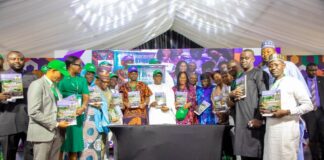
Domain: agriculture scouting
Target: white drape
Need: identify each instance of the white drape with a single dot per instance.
(38, 27)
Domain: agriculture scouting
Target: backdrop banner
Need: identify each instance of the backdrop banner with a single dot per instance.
(198, 60)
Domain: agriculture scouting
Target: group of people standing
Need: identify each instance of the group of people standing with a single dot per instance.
(254, 136)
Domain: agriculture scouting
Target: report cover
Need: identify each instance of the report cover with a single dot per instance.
(202, 107)
(66, 111)
(241, 83)
(181, 98)
(270, 102)
(160, 99)
(134, 99)
(12, 84)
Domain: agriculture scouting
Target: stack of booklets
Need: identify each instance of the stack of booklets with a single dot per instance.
(66, 109)
(270, 102)
(160, 99)
(181, 98)
(134, 99)
(13, 85)
(241, 83)
(202, 107)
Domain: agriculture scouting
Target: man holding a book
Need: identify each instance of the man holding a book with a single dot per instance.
(282, 129)
(135, 98)
(44, 129)
(113, 85)
(162, 109)
(116, 97)
(13, 113)
(248, 130)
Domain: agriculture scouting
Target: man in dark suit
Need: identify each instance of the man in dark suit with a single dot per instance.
(315, 119)
(13, 114)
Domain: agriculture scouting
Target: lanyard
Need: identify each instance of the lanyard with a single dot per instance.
(75, 84)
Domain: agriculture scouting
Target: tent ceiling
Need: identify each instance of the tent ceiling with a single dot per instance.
(38, 27)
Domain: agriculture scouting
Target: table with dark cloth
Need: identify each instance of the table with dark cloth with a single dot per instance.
(160, 142)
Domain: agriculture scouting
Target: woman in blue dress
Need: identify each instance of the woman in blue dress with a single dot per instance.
(204, 95)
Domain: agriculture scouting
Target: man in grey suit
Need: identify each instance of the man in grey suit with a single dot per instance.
(43, 129)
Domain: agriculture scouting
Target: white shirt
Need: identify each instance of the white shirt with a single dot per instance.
(52, 85)
(157, 116)
(282, 134)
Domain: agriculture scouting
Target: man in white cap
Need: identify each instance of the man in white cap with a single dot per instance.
(267, 49)
(282, 135)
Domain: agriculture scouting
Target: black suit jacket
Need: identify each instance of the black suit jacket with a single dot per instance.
(320, 87)
(13, 115)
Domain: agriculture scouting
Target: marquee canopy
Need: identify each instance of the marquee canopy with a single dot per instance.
(38, 27)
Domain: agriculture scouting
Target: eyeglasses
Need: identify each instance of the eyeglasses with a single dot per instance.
(80, 65)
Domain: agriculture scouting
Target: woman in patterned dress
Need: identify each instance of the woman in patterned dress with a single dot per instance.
(183, 86)
(96, 124)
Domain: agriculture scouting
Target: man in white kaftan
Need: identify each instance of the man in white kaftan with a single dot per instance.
(282, 135)
(163, 113)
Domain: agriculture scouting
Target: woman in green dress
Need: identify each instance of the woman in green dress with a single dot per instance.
(74, 85)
